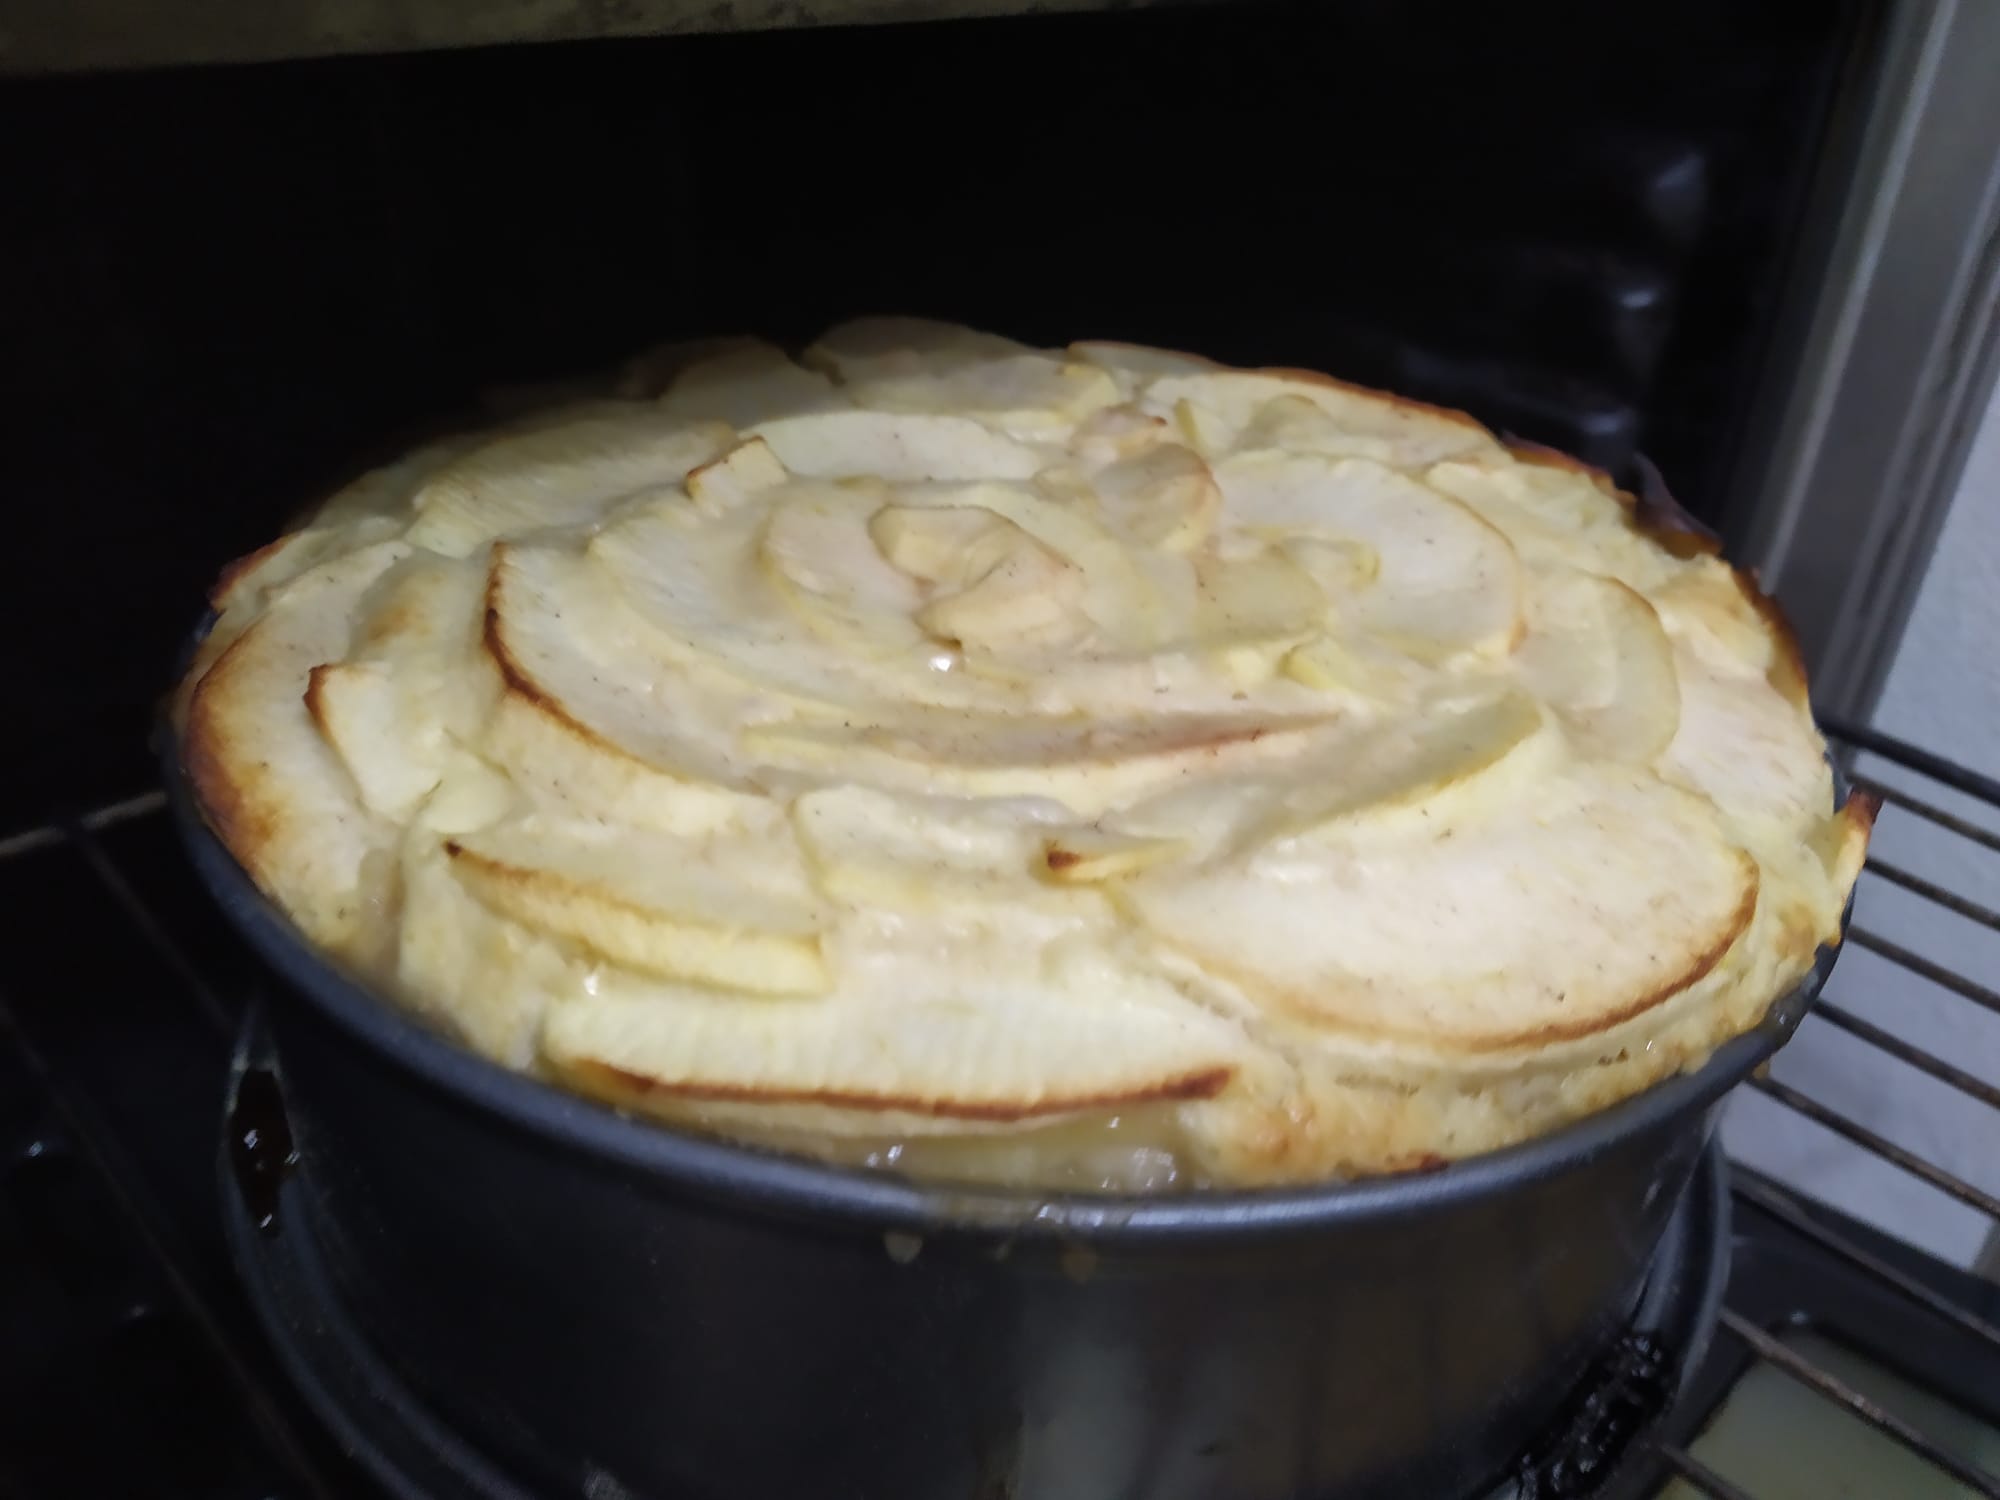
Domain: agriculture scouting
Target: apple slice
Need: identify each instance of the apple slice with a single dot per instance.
(471, 792)
(266, 778)
(727, 482)
(1545, 499)
(1752, 750)
(1596, 653)
(1249, 600)
(358, 708)
(1202, 429)
(748, 383)
(1021, 597)
(1560, 517)
(560, 475)
(1119, 598)
(934, 544)
(416, 684)
(700, 587)
(1705, 603)
(1137, 366)
(1005, 593)
(929, 854)
(824, 561)
(1341, 567)
(944, 1045)
(587, 687)
(704, 595)
(387, 491)
(1090, 764)
(475, 974)
(1322, 414)
(1296, 423)
(1537, 921)
(705, 911)
(1353, 666)
(1424, 765)
(1117, 432)
(1448, 583)
(1163, 497)
(646, 375)
(239, 593)
(573, 771)
(895, 446)
(862, 348)
(372, 507)
(1027, 395)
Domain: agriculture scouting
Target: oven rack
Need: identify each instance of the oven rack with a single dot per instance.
(120, 995)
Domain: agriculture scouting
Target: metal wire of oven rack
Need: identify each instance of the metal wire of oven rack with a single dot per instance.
(282, 1431)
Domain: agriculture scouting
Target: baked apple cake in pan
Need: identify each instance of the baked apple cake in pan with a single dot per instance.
(1090, 769)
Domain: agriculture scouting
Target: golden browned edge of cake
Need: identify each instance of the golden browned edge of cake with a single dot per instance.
(1361, 1125)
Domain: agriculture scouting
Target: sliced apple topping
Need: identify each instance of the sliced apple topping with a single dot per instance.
(1317, 414)
(704, 911)
(557, 475)
(1596, 653)
(416, 686)
(1448, 582)
(1263, 597)
(1139, 364)
(934, 544)
(862, 348)
(595, 722)
(270, 784)
(1021, 597)
(1091, 765)
(747, 383)
(1028, 395)
(745, 470)
(1206, 431)
(925, 853)
(820, 554)
(895, 446)
(1538, 921)
(1163, 497)
(1712, 608)
(647, 374)
(1299, 424)
(1407, 766)
(1115, 432)
(356, 706)
(710, 600)
(612, 769)
(386, 491)
(482, 977)
(944, 1046)
(1351, 665)
(1341, 567)
(1554, 516)
(1118, 598)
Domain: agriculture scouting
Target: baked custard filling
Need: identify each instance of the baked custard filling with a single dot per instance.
(1091, 769)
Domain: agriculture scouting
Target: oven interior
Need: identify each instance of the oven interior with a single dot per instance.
(232, 286)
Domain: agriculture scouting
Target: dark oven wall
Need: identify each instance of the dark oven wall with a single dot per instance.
(224, 288)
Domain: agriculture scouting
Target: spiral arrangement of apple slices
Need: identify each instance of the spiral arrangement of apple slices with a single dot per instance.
(1095, 768)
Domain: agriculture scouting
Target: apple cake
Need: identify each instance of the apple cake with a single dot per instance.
(1090, 769)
